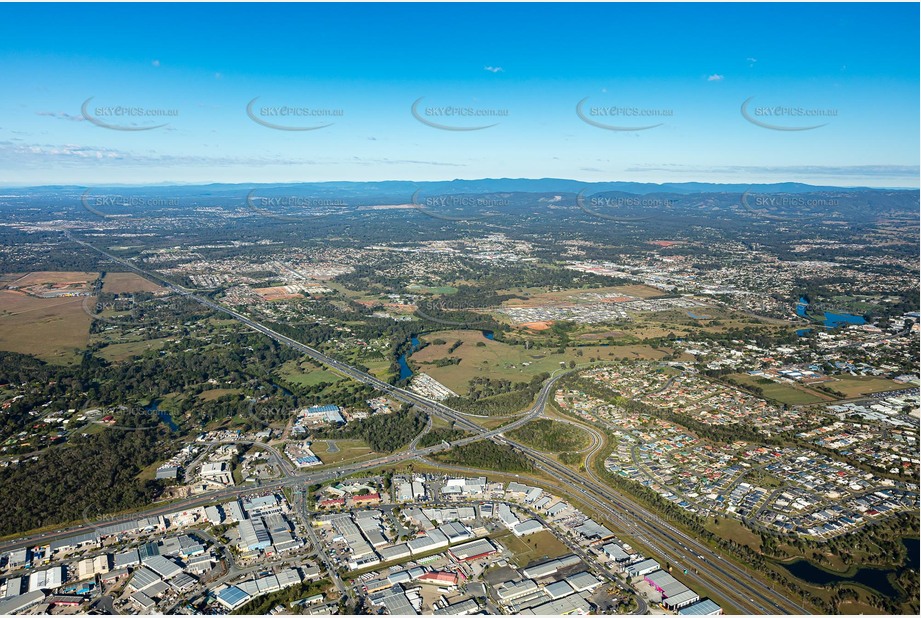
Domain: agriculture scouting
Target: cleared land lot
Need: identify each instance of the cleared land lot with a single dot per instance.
(305, 374)
(784, 393)
(855, 386)
(53, 329)
(117, 352)
(120, 283)
(498, 360)
(534, 547)
(349, 451)
(536, 297)
(53, 278)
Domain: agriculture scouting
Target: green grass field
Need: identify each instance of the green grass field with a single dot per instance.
(855, 386)
(305, 374)
(349, 451)
(498, 360)
(117, 352)
(783, 393)
(533, 548)
(553, 436)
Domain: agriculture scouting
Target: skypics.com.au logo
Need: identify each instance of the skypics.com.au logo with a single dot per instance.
(627, 117)
(458, 208)
(448, 312)
(455, 117)
(787, 207)
(623, 209)
(785, 117)
(292, 117)
(292, 207)
(120, 206)
(126, 117)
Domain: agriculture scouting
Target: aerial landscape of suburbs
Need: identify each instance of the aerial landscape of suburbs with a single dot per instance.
(538, 317)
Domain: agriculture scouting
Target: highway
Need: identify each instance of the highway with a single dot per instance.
(704, 565)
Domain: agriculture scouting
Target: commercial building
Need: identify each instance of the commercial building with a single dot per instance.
(558, 590)
(545, 569)
(507, 592)
(462, 608)
(572, 604)
(642, 568)
(90, 567)
(705, 607)
(232, 597)
(48, 579)
(21, 603)
(395, 552)
(164, 567)
(615, 552)
(583, 581)
(473, 550)
(527, 527)
(254, 535)
(675, 595)
(143, 578)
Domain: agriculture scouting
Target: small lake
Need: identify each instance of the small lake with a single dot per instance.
(877, 579)
(837, 319)
(489, 334)
(405, 371)
(164, 416)
(831, 318)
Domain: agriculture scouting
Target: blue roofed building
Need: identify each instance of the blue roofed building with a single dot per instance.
(232, 597)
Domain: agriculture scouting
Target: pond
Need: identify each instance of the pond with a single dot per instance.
(877, 579)
(405, 371)
(831, 319)
(163, 415)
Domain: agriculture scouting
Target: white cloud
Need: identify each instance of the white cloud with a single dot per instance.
(155, 63)
(494, 69)
(73, 155)
(62, 116)
(716, 77)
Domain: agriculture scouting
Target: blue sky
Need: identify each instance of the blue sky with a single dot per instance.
(852, 68)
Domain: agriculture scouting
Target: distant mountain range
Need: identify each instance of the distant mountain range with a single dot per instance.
(484, 185)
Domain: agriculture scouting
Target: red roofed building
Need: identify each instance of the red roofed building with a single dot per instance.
(367, 499)
(441, 578)
(330, 503)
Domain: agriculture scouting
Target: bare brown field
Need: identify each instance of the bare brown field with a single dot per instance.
(54, 278)
(118, 352)
(52, 284)
(279, 292)
(499, 360)
(121, 283)
(52, 329)
(536, 325)
(217, 393)
(643, 291)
